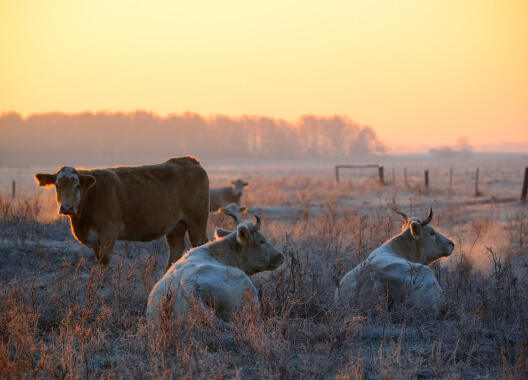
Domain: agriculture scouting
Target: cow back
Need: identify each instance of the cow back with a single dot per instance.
(146, 202)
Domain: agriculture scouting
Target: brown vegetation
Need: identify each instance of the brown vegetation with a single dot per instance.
(61, 317)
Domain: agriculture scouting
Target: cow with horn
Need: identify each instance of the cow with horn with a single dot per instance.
(215, 276)
(398, 271)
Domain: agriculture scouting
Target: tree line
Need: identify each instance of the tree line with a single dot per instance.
(129, 137)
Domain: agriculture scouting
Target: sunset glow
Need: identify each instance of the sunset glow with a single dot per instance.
(417, 72)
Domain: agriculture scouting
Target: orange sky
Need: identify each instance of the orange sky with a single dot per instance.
(418, 72)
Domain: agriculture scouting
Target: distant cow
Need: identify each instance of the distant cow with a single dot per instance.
(232, 208)
(140, 203)
(215, 276)
(398, 271)
(224, 195)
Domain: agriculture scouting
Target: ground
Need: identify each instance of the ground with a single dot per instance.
(62, 317)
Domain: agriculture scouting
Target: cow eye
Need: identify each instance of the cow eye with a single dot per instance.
(433, 233)
(262, 241)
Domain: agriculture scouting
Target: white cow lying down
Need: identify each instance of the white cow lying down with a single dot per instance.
(398, 271)
(215, 276)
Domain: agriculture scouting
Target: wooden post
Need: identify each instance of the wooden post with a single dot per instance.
(405, 176)
(427, 179)
(337, 173)
(14, 189)
(393, 177)
(450, 179)
(381, 179)
(525, 185)
(477, 192)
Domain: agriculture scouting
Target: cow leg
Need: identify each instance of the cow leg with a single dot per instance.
(105, 249)
(176, 242)
(104, 254)
(198, 231)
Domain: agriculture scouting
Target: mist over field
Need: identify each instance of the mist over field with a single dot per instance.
(133, 137)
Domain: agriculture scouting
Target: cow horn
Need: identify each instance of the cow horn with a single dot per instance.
(428, 219)
(257, 226)
(234, 217)
(402, 214)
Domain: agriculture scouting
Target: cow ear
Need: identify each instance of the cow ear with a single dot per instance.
(243, 208)
(87, 181)
(243, 234)
(416, 230)
(220, 233)
(246, 184)
(45, 180)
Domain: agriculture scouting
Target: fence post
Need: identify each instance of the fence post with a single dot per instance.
(477, 192)
(381, 179)
(525, 185)
(427, 179)
(405, 176)
(450, 179)
(14, 189)
(337, 173)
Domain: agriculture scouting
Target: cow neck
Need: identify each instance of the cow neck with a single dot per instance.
(78, 221)
(406, 247)
(226, 250)
(88, 196)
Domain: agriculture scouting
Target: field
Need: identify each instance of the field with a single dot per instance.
(62, 317)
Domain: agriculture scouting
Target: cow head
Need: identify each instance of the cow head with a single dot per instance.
(430, 243)
(257, 254)
(69, 186)
(238, 187)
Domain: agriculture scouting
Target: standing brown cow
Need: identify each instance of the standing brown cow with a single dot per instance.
(222, 196)
(138, 203)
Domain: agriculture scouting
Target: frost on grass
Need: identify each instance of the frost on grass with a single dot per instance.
(61, 317)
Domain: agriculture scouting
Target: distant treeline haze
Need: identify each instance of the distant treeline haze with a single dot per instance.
(129, 137)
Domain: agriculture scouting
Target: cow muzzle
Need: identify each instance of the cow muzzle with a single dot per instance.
(67, 209)
(277, 261)
(450, 249)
